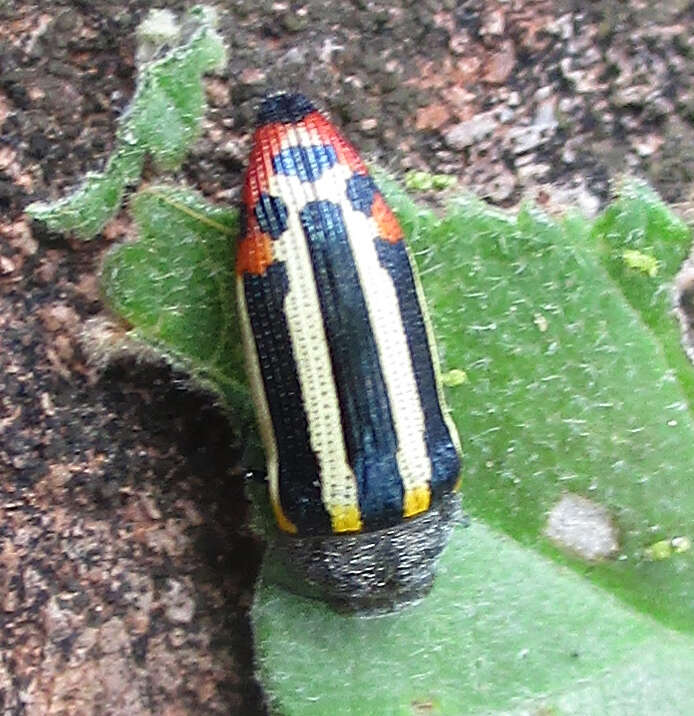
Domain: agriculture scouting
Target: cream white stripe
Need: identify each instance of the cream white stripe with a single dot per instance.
(312, 357)
(396, 362)
(386, 322)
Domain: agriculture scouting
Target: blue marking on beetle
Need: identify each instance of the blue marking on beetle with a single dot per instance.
(271, 213)
(299, 473)
(366, 418)
(445, 461)
(285, 108)
(361, 190)
(308, 163)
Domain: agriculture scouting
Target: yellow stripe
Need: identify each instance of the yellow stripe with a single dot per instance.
(283, 522)
(346, 518)
(416, 500)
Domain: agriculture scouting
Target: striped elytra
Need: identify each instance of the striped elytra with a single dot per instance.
(340, 353)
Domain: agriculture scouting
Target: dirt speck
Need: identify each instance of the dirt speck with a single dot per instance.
(582, 526)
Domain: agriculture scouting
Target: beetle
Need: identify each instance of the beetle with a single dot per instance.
(363, 461)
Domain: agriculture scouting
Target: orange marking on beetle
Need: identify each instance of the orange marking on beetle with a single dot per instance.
(254, 254)
(268, 133)
(388, 227)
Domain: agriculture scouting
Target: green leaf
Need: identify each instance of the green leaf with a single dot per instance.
(170, 99)
(568, 392)
(163, 120)
(503, 631)
(638, 223)
(586, 406)
(175, 287)
(87, 210)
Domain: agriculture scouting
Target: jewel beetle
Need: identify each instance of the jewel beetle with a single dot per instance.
(363, 461)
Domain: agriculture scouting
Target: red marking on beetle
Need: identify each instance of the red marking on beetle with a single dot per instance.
(328, 134)
(255, 252)
(388, 226)
(267, 142)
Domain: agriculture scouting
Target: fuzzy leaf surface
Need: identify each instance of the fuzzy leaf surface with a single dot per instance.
(175, 287)
(504, 631)
(567, 390)
(162, 120)
(639, 222)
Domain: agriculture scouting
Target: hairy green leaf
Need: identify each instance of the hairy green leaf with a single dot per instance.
(567, 391)
(163, 120)
(503, 631)
(87, 210)
(175, 287)
(638, 223)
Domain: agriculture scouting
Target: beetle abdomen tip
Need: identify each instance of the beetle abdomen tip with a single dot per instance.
(367, 572)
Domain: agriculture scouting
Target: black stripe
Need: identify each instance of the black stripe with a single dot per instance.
(271, 213)
(284, 107)
(361, 190)
(445, 461)
(299, 479)
(365, 410)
